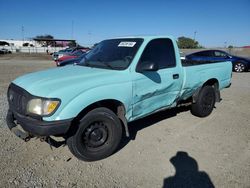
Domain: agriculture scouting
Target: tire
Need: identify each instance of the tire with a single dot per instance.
(98, 135)
(239, 67)
(205, 102)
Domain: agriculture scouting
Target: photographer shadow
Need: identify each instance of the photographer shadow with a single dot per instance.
(187, 173)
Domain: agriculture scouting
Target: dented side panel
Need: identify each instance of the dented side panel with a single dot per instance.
(158, 89)
(155, 90)
(196, 76)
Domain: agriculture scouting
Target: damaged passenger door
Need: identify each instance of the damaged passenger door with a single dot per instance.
(157, 81)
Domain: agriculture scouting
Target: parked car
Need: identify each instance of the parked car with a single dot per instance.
(73, 55)
(70, 61)
(240, 64)
(55, 55)
(119, 81)
(5, 51)
(67, 51)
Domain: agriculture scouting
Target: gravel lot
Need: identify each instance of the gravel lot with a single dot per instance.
(167, 149)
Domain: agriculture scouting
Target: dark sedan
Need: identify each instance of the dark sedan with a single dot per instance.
(240, 64)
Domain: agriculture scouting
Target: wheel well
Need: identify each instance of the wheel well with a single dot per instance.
(109, 103)
(114, 105)
(215, 84)
(240, 61)
(211, 82)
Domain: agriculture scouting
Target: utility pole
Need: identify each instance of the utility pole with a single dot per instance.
(72, 29)
(22, 28)
(89, 34)
(195, 34)
(225, 44)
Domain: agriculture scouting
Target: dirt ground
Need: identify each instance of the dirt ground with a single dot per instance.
(168, 149)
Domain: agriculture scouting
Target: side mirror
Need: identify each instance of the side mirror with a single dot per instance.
(146, 66)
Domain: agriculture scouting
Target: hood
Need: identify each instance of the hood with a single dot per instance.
(69, 80)
(241, 58)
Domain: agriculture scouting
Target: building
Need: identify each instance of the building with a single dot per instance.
(18, 43)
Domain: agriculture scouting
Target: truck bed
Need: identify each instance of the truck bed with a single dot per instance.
(186, 62)
(196, 73)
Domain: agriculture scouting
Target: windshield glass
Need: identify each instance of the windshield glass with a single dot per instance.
(112, 54)
(78, 53)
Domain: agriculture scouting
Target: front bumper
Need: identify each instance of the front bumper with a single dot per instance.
(34, 127)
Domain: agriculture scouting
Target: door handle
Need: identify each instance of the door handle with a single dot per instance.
(175, 76)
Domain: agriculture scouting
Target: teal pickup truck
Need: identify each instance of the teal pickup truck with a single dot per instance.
(119, 81)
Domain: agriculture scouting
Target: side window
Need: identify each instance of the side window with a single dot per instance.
(160, 51)
(219, 54)
(203, 54)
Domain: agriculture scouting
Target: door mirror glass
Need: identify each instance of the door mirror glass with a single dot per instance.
(147, 66)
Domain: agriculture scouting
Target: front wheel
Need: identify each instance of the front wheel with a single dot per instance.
(205, 102)
(239, 67)
(98, 135)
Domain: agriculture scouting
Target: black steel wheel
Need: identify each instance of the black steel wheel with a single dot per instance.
(97, 137)
(205, 102)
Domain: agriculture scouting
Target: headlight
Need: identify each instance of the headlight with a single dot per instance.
(42, 107)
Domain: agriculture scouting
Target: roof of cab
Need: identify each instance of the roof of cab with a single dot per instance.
(145, 37)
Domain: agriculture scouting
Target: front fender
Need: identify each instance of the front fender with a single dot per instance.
(121, 92)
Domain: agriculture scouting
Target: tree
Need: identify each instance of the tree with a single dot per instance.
(185, 42)
(230, 48)
(72, 44)
(3, 43)
(26, 44)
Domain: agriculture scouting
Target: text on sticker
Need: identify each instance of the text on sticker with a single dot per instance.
(126, 44)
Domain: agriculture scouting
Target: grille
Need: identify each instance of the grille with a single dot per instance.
(17, 98)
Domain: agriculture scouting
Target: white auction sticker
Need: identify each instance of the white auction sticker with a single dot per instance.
(127, 44)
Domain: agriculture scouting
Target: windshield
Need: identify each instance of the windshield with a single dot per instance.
(78, 53)
(112, 54)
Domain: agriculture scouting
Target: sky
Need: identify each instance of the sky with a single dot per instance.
(213, 23)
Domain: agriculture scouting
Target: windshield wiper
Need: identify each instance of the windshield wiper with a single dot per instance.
(106, 63)
(85, 63)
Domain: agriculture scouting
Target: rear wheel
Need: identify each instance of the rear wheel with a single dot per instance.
(239, 67)
(97, 137)
(205, 102)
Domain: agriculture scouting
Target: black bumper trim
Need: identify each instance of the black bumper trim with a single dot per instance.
(37, 127)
